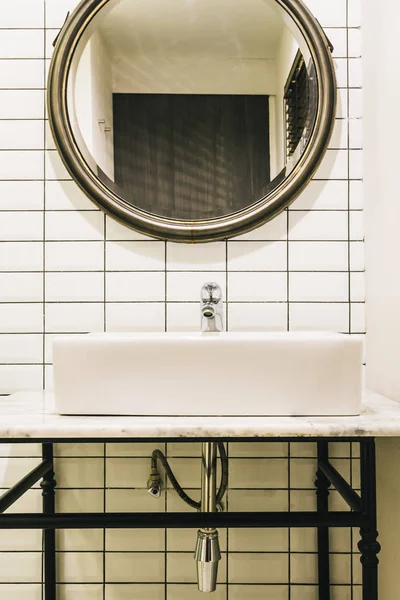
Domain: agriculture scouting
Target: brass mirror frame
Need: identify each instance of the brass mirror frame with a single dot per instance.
(176, 230)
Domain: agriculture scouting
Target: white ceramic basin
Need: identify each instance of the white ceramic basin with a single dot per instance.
(286, 374)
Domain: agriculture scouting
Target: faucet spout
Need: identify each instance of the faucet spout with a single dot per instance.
(211, 308)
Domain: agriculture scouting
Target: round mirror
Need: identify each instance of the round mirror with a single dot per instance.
(192, 120)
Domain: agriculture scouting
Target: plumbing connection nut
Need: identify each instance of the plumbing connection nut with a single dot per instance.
(155, 485)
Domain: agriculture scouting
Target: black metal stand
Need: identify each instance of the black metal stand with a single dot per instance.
(362, 515)
(322, 484)
(49, 535)
(368, 545)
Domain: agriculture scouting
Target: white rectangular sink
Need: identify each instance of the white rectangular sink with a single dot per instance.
(268, 374)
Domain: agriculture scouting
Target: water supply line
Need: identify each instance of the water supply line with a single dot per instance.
(155, 483)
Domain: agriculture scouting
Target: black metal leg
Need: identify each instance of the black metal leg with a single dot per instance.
(49, 535)
(368, 545)
(322, 484)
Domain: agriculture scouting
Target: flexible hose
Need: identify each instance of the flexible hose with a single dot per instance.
(157, 454)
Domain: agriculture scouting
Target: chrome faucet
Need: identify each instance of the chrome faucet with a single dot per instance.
(212, 319)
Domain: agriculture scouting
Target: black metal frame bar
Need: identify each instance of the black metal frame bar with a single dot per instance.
(322, 484)
(362, 515)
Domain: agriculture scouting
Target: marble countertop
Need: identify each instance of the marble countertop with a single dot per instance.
(30, 416)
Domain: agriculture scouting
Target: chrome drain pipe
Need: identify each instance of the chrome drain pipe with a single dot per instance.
(207, 554)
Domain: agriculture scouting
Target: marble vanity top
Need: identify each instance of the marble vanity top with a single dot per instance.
(30, 415)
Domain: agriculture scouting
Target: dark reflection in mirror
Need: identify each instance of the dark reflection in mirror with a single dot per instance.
(191, 156)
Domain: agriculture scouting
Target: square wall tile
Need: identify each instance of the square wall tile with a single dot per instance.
(258, 568)
(334, 165)
(20, 567)
(119, 471)
(323, 195)
(183, 316)
(318, 256)
(74, 317)
(318, 225)
(77, 473)
(190, 592)
(245, 316)
(21, 287)
(23, 14)
(74, 287)
(135, 256)
(135, 540)
(79, 500)
(21, 165)
(21, 195)
(74, 256)
(135, 287)
(21, 104)
(21, 318)
(196, 257)
(21, 256)
(80, 591)
(258, 540)
(21, 135)
(261, 473)
(80, 540)
(80, 566)
(258, 592)
(186, 287)
(318, 287)
(134, 592)
(19, 43)
(15, 591)
(21, 348)
(135, 567)
(16, 378)
(21, 74)
(257, 287)
(137, 316)
(319, 317)
(257, 256)
(303, 568)
(66, 195)
(74, 225)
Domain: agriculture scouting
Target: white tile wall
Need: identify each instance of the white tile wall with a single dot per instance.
(66, 268)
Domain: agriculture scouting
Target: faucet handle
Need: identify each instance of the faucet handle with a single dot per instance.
(211, 293)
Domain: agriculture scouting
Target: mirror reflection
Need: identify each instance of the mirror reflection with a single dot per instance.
(192, 109)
